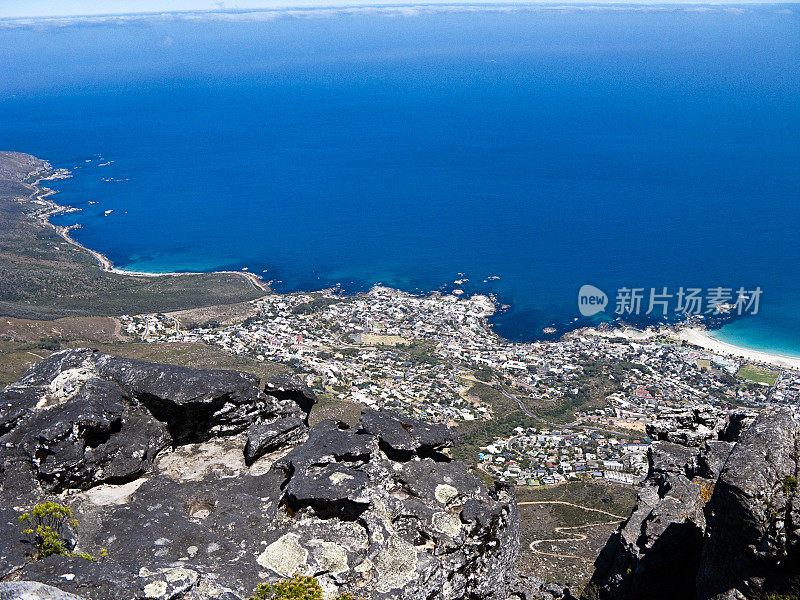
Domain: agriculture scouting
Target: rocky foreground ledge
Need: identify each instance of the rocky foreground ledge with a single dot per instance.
(718, 516)
(200, 484)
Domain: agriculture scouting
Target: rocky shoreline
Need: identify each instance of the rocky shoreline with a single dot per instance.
(43, 171)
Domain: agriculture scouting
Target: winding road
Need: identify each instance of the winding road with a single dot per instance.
(580, 537)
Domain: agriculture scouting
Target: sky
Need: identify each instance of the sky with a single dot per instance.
(46, 8)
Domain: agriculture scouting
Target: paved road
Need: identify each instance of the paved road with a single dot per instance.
(522, 406)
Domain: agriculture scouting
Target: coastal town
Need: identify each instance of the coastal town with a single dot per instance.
(588, 396)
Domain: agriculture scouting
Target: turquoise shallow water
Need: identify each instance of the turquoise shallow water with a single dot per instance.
(759, 336)
(551, 148)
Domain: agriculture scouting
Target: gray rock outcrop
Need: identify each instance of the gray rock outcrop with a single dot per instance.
(753, 545)
(81, 418)
(31, 590)
(200, 484)
(716, 517)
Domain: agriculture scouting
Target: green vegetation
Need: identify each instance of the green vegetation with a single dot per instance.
(423, 352)
(318, 304)
(623, 365)
(15, 357)
(299, 587)
(584, 393)
(757, 374)
(52, 343)
(328, 407)
(485, 374)
(506, 416)
(47, 529)
(789, 485)
(195, 354)
(571, 560)
(593, 493)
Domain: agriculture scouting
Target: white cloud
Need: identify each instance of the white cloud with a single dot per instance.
(11, 9)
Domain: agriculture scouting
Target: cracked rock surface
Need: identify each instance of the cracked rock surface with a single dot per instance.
(200, 484)
(717, 517)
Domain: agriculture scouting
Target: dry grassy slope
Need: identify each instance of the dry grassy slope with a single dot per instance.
(43, 277)
(569, 562)
(16, 356)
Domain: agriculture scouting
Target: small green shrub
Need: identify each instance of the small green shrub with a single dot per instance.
(46, 530)
(299, 587)
(789, 485)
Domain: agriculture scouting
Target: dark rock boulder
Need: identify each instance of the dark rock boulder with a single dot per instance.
(269, 436)
(81, 418)
(715, 517)
(754, 542)
(286, 387)
(200, 491)
(84, 578)
(13, 553)
(328, 442)
(401, 436)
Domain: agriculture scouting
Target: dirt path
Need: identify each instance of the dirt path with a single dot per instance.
(597, 510)
(580, 537)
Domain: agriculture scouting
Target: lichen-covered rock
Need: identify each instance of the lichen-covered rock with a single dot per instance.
(220, 485)
(713, 519)
(754, 532)
(31, 590)
(81, 418)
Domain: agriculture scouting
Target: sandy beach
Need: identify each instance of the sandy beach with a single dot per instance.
(701, 337)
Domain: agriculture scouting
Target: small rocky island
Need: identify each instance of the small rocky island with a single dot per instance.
(198, 484)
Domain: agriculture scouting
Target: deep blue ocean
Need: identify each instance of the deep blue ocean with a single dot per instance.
(549, 147)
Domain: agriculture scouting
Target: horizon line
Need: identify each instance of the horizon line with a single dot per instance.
(344, 5)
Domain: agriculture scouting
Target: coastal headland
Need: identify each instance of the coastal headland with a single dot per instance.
(46, 274)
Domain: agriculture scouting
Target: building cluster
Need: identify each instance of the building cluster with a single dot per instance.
(787, 388)
(421, 355)
(546, 457)
(381, 348)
